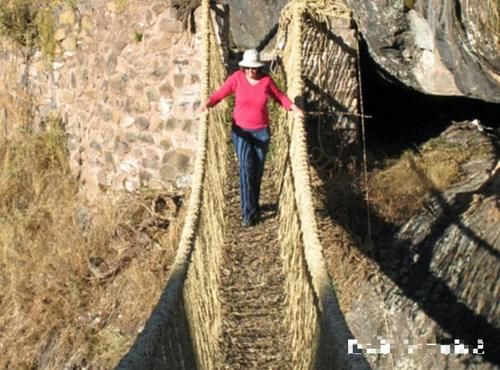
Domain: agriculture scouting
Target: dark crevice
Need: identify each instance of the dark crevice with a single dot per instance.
(403, 118)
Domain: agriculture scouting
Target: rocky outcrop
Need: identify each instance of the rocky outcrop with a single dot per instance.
(253, 23)
(447, 47)
(440, 280)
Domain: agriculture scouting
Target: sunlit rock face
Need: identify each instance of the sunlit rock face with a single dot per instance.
(438, 282)
(442, 47)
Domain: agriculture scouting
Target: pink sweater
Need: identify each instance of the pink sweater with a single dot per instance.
(250, 106)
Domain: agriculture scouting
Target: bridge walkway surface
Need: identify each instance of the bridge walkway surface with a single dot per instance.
(252, 286)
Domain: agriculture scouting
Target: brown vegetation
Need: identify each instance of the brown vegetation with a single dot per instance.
(77, 282)
(492, 16)
(30, 24)
(398, 189)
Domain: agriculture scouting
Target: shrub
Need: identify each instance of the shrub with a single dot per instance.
(398, 190)
(29, 24)
(18, 22)
(73, 283)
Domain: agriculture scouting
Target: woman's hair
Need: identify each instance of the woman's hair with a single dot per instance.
(260, 70)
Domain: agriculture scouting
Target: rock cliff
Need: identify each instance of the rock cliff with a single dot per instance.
(253, 23)
(445, 47)
(439, 277)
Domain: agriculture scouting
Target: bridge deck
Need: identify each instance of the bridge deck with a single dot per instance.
(252, 291)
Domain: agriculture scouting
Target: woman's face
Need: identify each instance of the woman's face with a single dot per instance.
(251, 72)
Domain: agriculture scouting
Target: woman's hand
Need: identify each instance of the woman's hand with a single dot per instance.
(297, 110)
(204, 107)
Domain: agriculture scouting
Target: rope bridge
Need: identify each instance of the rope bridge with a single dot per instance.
(184, 329)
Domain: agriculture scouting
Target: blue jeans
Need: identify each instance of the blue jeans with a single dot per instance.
(251, 148)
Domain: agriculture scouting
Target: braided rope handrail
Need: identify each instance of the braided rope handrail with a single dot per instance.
(300, 171)
(187, 239)
(159, 344)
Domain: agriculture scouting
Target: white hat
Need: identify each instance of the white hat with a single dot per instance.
(251, 59)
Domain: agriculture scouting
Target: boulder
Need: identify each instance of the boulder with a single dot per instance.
(447, 47)
(253, 23)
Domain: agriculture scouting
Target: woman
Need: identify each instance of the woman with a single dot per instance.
(250, 130)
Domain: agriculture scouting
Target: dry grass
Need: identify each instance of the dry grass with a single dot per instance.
(340, 216)
(493, 16)
(77, 283)
(399, 188)
(121, 5)
(30, 24)
(17, 21)
(46, 25)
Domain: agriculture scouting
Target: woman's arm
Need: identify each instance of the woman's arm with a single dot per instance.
(225, 90)
(297, 110)
(282, 99)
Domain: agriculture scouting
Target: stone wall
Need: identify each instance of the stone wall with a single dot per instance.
(126, 82)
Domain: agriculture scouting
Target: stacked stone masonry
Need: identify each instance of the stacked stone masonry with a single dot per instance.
(126, 83)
